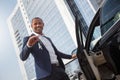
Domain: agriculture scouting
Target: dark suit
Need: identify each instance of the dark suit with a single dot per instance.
(43, 65)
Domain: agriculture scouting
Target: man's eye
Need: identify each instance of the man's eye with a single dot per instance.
(40, 23)
(35, 23)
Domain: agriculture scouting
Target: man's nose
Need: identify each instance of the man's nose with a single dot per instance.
(38, 25)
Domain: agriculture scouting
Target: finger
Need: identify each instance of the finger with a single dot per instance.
(34, 38)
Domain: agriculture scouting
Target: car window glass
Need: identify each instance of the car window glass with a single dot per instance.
(95, 37)
(109, 23)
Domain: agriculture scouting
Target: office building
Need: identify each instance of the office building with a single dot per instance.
(85, 9)
(18, 31)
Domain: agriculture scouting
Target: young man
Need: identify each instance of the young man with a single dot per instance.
(48, 62)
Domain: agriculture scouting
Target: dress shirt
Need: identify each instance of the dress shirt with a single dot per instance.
(49, 47)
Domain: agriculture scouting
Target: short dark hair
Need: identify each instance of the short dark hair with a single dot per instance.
(36, 18)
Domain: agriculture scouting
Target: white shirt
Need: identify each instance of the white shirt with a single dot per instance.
(49, 47)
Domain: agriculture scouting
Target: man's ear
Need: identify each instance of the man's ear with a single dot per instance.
(43, 23)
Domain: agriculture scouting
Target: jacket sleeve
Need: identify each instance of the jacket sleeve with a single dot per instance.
(25, 50)
(63, 55)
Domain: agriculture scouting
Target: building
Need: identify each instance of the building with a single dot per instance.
(85, 9)
(18, 31)
(59, 26)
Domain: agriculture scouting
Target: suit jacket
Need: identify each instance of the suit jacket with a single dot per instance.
(41, 58)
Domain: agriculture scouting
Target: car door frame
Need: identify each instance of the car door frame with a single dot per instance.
(85, 61)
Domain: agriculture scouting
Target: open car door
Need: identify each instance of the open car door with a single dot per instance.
(89, 69)
(99, 55)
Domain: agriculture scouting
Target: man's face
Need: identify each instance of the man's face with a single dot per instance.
(37, 26)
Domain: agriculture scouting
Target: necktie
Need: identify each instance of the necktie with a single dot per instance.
(41, 45)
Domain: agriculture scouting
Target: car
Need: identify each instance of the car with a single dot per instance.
(99, 53)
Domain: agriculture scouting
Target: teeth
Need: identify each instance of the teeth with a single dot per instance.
(38, 28)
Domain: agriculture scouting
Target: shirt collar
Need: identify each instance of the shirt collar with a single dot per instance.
(37, 34)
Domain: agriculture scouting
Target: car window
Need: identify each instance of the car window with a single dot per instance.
(95, 37)
(109, 10)
(109, 23)
(99, 31)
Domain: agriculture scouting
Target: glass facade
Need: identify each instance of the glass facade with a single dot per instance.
(86, 10)
(19, 28)
(18, 31)
(76, 12)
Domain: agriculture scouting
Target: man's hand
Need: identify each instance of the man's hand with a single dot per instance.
(74, 56)
(32, 40)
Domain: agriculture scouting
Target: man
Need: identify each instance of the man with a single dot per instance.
(48, 62)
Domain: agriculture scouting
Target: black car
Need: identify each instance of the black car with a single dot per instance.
(99, 55)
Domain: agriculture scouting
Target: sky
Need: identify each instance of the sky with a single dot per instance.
(9, 68)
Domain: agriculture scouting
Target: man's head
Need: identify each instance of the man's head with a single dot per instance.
(37, 25)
